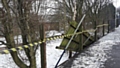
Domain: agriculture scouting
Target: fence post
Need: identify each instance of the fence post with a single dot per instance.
(81, 38)
(43, 47)
(95, 26)
(103, 29)
(108, 26)
(117, 23)
(97, 31)
(70, 54)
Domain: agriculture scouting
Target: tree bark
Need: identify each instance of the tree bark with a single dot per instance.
(9, 35)
(24, 26)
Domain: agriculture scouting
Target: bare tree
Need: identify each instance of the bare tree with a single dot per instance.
(95, 8)
(24, 14)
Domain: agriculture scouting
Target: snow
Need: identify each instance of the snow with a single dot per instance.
(3, 39)
(53, 54)
(94, 57)
(6, 61)
(52, 33)
(17, 40)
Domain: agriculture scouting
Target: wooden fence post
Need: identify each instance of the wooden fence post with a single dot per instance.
(81, 38)
(108, 26)
(95, 26)
(117, 23)
(103, 29)
(70, 54)
(43, 47)
(97, 31)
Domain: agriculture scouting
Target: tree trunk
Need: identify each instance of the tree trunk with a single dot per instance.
(11, 44)
(32, 58)
(8, 32)
(23, 24)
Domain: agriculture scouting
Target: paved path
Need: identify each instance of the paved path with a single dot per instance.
(114, 61)
(105, 53)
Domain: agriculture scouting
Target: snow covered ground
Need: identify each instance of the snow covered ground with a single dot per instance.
(53, 54)
(96, 55)
(93, 57)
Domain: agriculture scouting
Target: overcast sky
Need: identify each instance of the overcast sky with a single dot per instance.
(116, 3)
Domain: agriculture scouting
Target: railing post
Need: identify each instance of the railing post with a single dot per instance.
(108, 26)
(117, 23)
(81, 38)
(95, 26)
(103, 29)
(98, 30)
(43, 47)
(70, 54)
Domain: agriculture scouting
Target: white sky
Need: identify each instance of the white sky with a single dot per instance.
(116, 3)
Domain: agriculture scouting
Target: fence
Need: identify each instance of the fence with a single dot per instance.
(104, 27)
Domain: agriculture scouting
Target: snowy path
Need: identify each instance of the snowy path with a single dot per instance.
(102, 54)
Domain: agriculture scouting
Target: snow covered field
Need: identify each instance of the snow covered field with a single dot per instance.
(53, 54)
(93, 57)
